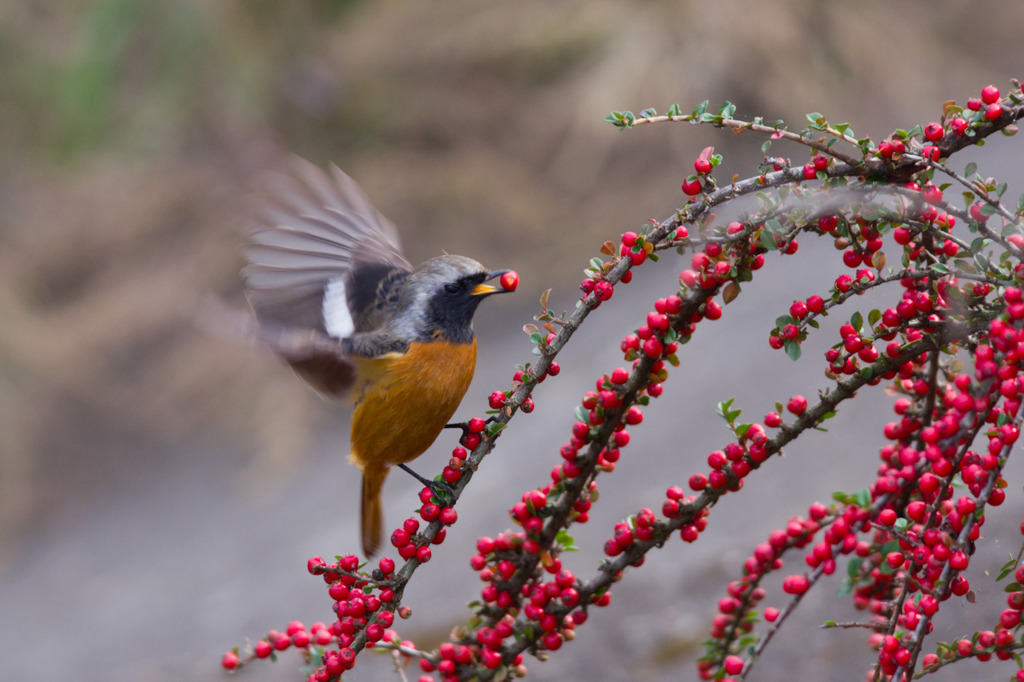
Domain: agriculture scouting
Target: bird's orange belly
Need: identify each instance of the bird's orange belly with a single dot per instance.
(404, 401)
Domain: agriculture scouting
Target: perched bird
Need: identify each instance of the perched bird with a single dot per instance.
(334, 296)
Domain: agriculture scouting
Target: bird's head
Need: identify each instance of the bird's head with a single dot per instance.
(441, 296)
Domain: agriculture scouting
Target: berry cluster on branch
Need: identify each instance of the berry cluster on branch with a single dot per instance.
(950, 346)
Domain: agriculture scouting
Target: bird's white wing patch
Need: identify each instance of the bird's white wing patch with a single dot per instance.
(337, 317)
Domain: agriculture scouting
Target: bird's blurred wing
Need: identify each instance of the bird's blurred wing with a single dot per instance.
(317, 248)
(314, 231)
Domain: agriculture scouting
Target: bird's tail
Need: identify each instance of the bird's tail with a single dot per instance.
(372, 512)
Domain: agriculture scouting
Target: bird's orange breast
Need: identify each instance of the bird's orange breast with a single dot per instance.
(404, 400)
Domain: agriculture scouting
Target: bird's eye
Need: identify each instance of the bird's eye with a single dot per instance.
(451, 288)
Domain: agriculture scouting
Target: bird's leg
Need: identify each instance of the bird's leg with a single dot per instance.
(465, 425)
(440, 489)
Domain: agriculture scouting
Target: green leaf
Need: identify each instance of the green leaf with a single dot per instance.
(648, 112)
(792, 347)
(873, 317)
(674, 110)
(782, 320)
(970, 169)
(863, 497)
(566, 541)
(857, 320)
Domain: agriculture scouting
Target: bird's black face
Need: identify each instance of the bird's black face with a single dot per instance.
(452, 306)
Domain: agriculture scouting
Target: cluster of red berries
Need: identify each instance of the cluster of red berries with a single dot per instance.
(909, 538)
(922, 535)
(357, 601)
(733, 620)
(513, 581)
(511, 564)
(987, 107)
(932, 547)
(295, 635)
(719, 263)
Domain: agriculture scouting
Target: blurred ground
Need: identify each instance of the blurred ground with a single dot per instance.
(160, 488)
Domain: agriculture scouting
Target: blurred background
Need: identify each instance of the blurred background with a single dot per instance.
(161, 487)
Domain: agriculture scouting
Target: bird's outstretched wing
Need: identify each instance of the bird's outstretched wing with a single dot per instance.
(323, 263)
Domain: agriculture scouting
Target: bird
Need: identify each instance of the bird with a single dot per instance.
(334, 296)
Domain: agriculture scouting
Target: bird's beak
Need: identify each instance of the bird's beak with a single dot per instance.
(487, 289)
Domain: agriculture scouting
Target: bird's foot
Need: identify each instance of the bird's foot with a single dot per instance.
(444, 493)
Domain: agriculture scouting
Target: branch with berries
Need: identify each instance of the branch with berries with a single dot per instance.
(949, 345)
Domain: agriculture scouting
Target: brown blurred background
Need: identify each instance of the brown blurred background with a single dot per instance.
(161, 487)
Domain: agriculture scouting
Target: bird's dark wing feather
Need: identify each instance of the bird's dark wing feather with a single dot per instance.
(314, 229)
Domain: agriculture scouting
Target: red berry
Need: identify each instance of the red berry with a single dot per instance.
(496, 400)
(933, 132)
(702, 165)
(400, 538)
(931, 193)
(712, 310)
(733, 665)
(797, 405)
(993, 111)
(509, 280)
(989, 94)
(958, 561)
(691, 186)
(653, 347)
(795, 584)
(810, 172)
(448, 516)
(603, 290)
(820, 162)
(316, 565)
(229, 661)
(619, 376)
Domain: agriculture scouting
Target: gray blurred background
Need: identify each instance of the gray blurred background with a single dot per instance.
(161, 487)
